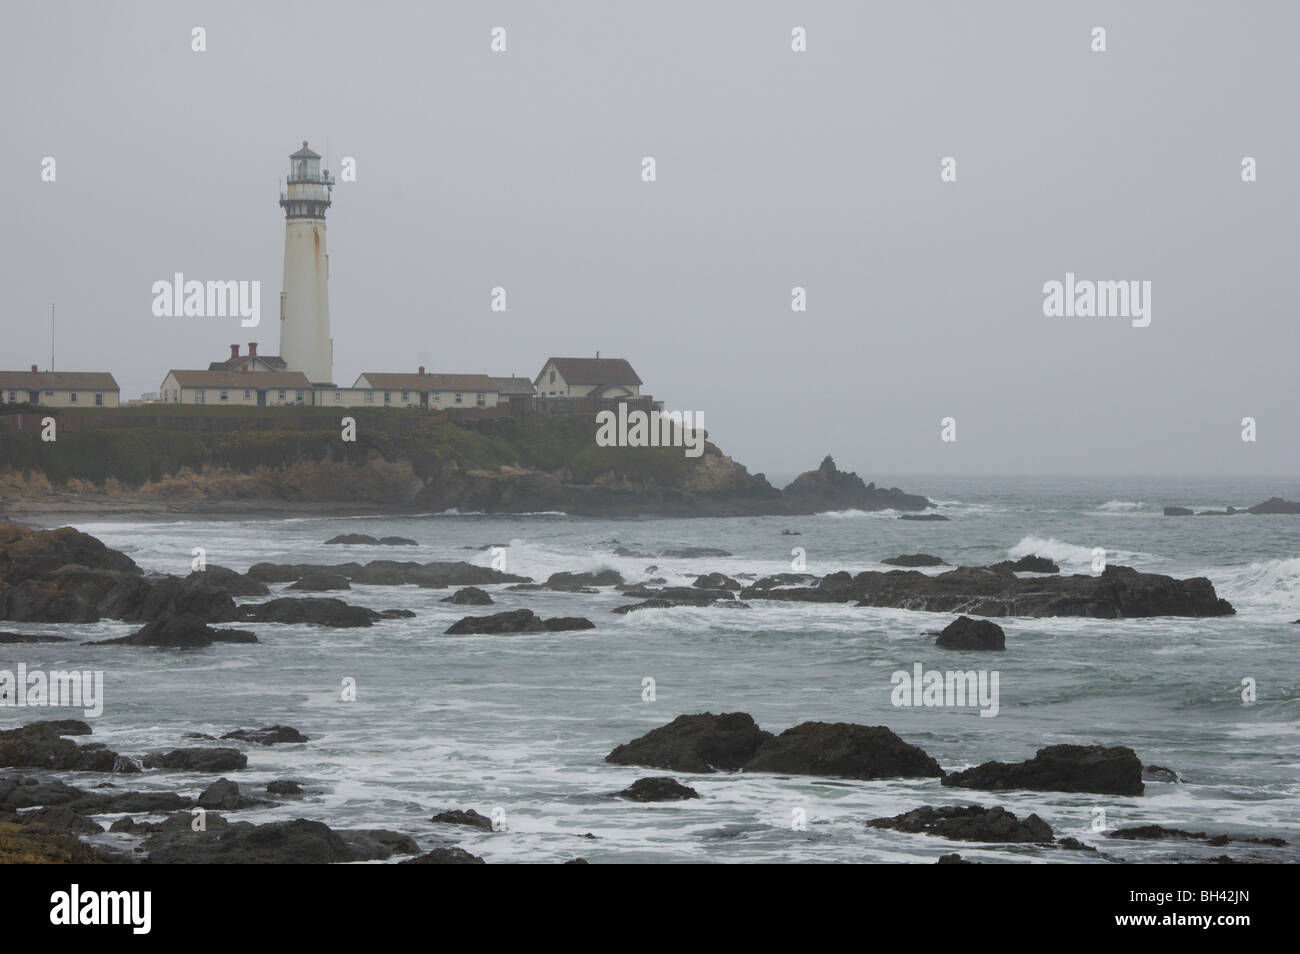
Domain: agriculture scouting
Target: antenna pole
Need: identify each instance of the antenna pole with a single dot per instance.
(51, 336)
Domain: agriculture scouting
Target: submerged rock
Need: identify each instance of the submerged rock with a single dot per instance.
(467, 817)
(445, 856)
(579, 581)
(470, 595)
(268, 735)
(365, 539)
(180, 632)
(318, 610)
(914, 559)
(971, 823)
(659, 789)
(198, 760)
(515, 621)
(1060, 768)
(321, 582)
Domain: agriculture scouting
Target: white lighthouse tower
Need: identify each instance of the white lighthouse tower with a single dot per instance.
(305, 342)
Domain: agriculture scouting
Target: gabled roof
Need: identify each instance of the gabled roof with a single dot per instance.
(273, 361)
(58, 380)
(240, 379)
(513, 385)
(426, 382)
(594, 370)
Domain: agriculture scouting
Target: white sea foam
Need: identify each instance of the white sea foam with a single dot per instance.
(1122, 506)
(1073, 554)
(1269, 585)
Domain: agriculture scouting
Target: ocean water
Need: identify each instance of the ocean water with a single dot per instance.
(519, 725)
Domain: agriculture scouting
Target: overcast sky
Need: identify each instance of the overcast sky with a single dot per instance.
(775, 169)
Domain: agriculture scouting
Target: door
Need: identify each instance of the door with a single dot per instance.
(261, 398)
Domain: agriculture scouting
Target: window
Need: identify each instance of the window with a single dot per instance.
(49, 394)
(370, 397)
(480, 399)
(388, 397)
(74, 397)
(200, 396)
(405, 396)
(13, 396)
(99, 399)
(225, 395)
(338, 396)
(436, 396)
(247, 394)
(458, 398)
(298, 396)
(281, 395)
(552, 381)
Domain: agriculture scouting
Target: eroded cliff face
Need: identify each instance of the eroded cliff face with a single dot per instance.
(713, 485)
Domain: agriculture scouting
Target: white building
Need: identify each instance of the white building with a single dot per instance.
(305, 342)
(260, 389)
(432, 391)
(59, 388)
(587, 378)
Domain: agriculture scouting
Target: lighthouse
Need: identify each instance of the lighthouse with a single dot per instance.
(305, 342)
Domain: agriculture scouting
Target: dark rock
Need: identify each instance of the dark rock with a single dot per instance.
(377, 844)
(236, 584)
(561, 624)
(284, 787)
(914, 559)
(397, 614)
(180, 632)
(40, 745)
(469, 817)
(695, 743)
(198, 760)
(1275, 505)
(659, 789)
(364, 539)
(834, 489)
(1158, 773)
(953, 859)
(1119, 592)
(10, 638)
(691, 553)
(1074, 844)
(716, 581)
(470, 595)
(842, 750)
(278, 843)
(512, 621)
(62, 818)
(224, 795)
(1060, 768)
(967, 633)
(320, 611)
(267, 735)
(445, 856)
(921, 516)
(321, 582)
(576, 581)
(1177, 512)
(1029, 564)
(971, 823)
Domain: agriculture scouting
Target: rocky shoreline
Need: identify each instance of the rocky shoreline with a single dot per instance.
(46, 820)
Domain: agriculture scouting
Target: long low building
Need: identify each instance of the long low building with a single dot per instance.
(421, 389)
(59, 388)
(260, 389)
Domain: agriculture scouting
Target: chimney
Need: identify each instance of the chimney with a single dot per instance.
(33, 369)
(422, 369)
(234, 351)
(252, 349)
